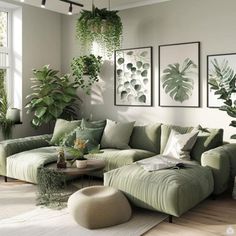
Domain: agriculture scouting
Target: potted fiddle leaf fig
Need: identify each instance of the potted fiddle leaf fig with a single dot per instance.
(86, 70)
(52, 97)
(100, 25)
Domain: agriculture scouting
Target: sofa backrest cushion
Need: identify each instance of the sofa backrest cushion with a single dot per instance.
(146, 137)
(207, 139)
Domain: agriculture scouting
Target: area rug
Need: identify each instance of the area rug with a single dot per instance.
(47, 222)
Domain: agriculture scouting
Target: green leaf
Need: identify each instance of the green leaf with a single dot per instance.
(40, 111)
(176, 82)
(129, 66)
(233, 136)
(144, 54)
(130, 53)
(146, 66)
(139, 64)
(144, 73)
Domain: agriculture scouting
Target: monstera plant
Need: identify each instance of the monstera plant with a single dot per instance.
(177, 81)
(52, 97)
(222, 79)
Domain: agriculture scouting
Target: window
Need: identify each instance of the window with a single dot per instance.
(5, 47)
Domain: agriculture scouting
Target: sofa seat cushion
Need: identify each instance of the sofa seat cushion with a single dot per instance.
(169, 191)
(115, 158)
(24, 165)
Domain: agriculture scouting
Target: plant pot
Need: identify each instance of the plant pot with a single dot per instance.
(81, 164)
(13, 114)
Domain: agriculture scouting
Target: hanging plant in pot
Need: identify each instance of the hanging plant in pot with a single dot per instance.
(86, 66)
(100, 25)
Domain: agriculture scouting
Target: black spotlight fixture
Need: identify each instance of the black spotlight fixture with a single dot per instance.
(70, 9)
(43, 3)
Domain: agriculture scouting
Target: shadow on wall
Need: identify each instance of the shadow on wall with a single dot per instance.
(100, 104)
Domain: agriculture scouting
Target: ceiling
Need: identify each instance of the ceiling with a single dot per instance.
(62, 7)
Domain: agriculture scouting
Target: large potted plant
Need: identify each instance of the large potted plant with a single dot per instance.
(86, 70)
(52, 97)
(100, 25)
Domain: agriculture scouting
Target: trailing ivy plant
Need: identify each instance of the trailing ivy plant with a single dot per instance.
(86, 65)
(51, 188)
(5, 124)
(222, 79)
(100, 25)
(52, 97)
(177, 81)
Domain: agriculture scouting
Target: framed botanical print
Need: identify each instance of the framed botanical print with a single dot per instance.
(133, 77)
(221, 71)
(179, 75)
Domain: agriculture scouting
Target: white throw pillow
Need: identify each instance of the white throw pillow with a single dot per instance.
(117, 134)
(180, 145)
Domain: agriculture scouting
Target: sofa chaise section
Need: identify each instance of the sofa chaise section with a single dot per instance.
(25, 165)
(171, 191)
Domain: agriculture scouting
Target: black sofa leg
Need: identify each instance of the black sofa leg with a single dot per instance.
(5, 178)
(170, 219)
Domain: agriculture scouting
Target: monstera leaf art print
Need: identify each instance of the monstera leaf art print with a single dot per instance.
(179, 75)
(177, 81)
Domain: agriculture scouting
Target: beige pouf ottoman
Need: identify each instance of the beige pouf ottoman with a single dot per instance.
(99, 206)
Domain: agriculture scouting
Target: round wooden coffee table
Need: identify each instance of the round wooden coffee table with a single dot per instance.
(92, 166)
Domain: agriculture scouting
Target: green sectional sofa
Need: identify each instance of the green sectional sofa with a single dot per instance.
(170, 191)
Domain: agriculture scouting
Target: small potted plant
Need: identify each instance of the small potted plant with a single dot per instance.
(79, 150)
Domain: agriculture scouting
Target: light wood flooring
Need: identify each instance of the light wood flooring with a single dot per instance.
(209, 218)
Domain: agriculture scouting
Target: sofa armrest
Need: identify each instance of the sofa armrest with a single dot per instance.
(218, 161)
(13, 146)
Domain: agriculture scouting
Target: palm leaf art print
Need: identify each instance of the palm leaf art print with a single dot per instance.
(222, 79)
(177, 81)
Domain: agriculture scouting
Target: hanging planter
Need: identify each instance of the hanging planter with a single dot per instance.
(100, 25)
(88, 66)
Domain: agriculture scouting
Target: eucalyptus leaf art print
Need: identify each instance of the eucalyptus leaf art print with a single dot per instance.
(133, 77)
(179, 75)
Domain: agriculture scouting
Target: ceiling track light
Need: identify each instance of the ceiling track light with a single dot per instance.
(22, 0)
(43, 3)
(70, 9)
(71, 5)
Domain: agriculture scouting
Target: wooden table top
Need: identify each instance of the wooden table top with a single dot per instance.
(92, 165)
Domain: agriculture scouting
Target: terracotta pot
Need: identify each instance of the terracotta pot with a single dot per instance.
(81, 164)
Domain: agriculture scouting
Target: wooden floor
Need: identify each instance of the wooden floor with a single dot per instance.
(209, 218)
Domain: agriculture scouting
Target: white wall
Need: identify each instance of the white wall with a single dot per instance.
(212, 22)
(41, 44)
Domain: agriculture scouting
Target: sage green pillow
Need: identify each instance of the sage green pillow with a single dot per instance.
(62, 128)
(207, 139)
(146, 137)
(93, 124)
(117, 134)
(93, 135)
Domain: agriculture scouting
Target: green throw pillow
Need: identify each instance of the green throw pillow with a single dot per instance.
(117, 135)
(207, 139)
(62, 128)
(93, 124)
(93, 135)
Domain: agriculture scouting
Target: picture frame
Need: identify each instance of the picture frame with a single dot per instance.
(133, 77)
(224, 63)
(179, 75)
